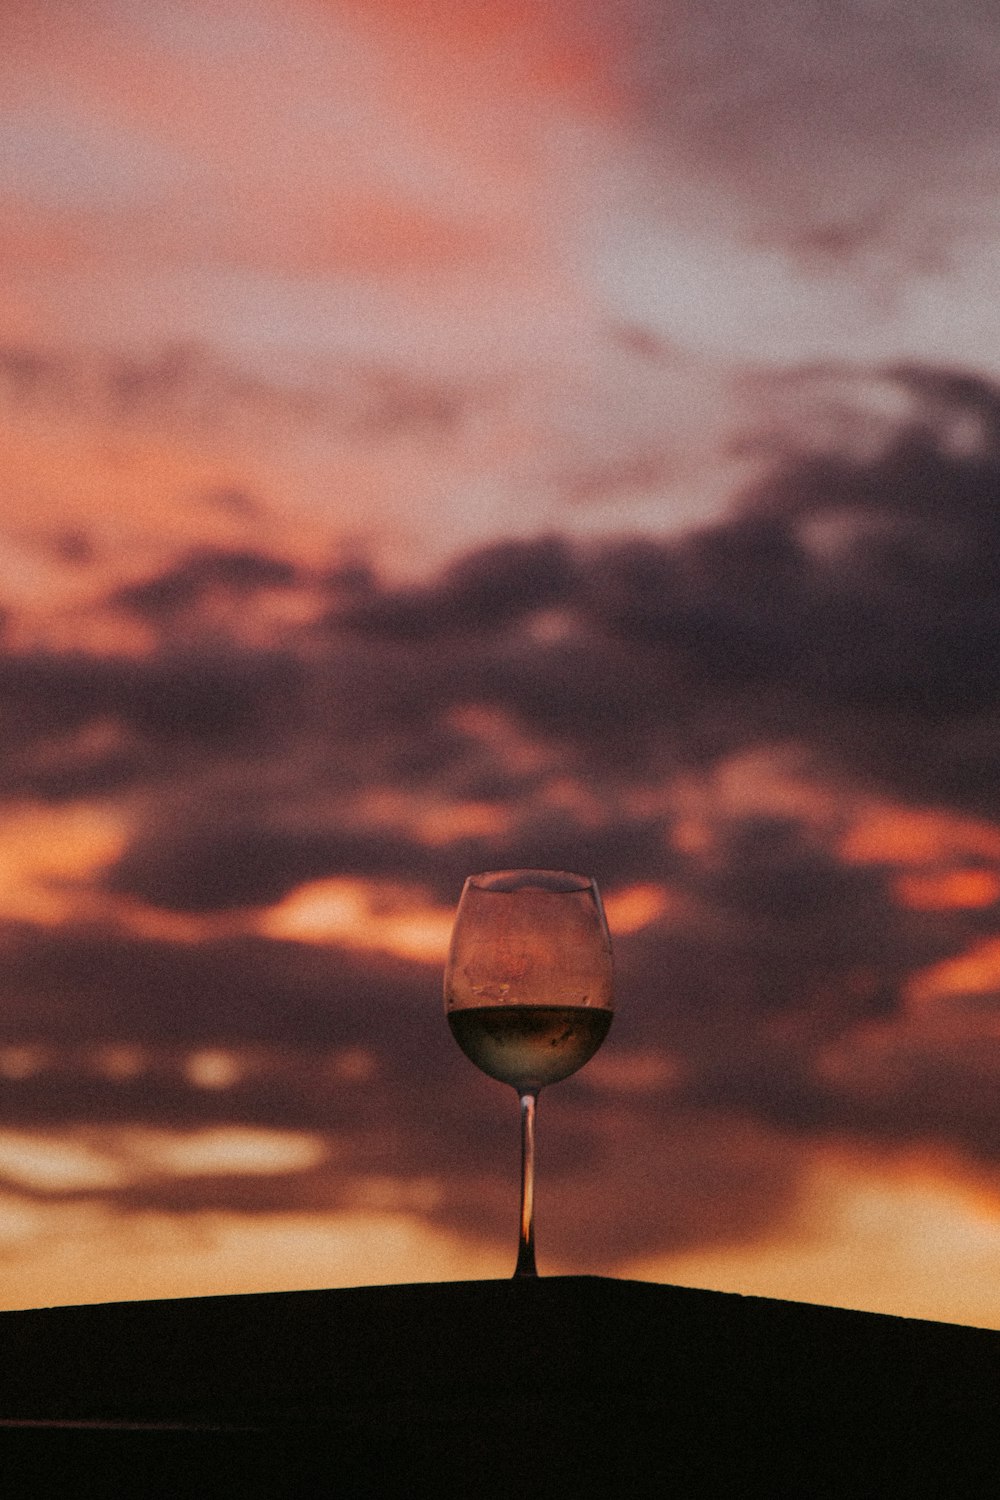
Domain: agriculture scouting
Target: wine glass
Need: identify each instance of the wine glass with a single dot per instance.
(528, 992)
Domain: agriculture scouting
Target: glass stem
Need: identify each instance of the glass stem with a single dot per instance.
(526, 1245)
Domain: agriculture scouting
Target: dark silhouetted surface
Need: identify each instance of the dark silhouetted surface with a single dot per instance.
(561, 1387)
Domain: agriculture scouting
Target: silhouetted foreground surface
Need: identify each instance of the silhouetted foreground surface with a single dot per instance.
(563, 1387)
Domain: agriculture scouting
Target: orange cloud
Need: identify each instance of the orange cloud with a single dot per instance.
(358, 914)
(355, 914)
(889, 835)
(48, 856)
(633, 908)
(946, 890)
(975, 972)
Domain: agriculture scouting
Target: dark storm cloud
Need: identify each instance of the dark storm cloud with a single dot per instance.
(918, 1081)
(87, 985)
(205, 696)
(850, 603)
(790, 953)
(483, 594)
(240, 574)
(161, 714)
(240, 862)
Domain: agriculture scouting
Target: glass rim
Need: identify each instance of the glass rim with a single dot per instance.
(552, 882)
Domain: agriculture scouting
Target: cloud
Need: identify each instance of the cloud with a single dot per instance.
(290, 1022)
(483, 594)
(87, 986)
(80, 723)
(704, 713)
(848, 604)
(180, 589)
(240, 861)
(836, 131)
(545, 701)
(188, 386)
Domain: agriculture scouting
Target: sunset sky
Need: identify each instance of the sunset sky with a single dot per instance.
(460, 436)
